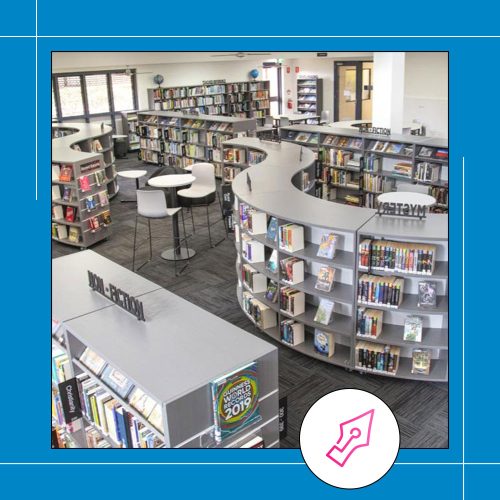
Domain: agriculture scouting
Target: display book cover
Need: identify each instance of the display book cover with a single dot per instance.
(235, 401)
(117, 381)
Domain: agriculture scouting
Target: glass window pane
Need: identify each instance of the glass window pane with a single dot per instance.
(97, 93)
(70, 93)
(123, 98)
(54, 112)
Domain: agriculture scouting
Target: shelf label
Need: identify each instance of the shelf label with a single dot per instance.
(70, 400)
(402, 210)
(374, 130)
(116, 295)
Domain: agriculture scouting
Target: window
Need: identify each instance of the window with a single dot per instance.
(70, 94)
(97, 94)
(273, 74)
(123, 91)
(93, 95)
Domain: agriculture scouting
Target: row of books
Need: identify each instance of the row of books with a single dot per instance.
(60, 232)
(291, 237)
(339, 158)
(438, 153)
(69, 214)
(199, 90)
(112, 418)
(377, 357)
(61, 367)
(229, 173)
(292, 301)
(255, 157)
(382, 291)
(386, 255)
(235, 155)
(263, 316)
(373, 183)
(427, 172)
(123, 387)
(291, 135)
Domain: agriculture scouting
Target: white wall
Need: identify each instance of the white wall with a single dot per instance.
(426, 91)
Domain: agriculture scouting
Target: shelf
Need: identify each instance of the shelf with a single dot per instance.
(120, 400)
(347, 167)
(339, 323)
(342, 259)
(409, 305)
(68, 242)
(431, 160)
(67, 223)
(105, 436)
(261, 268)
(432, 338)
(66, 203)
(440, 272)
(340, 292)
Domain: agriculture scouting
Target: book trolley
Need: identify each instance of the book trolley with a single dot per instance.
(276, 192)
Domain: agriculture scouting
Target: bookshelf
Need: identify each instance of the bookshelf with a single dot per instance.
(178, 139)
(309, 94)
(353, 168)
(83, 136)
(173, 367)
(274, 196)
(248, 99)
(82, 181)
(129, 120)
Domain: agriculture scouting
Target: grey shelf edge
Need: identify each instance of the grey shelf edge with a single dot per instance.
(124, 403)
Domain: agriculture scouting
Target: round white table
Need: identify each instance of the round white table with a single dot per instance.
(132, 174)
(171, 182)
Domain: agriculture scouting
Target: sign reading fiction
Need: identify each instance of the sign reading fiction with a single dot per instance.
(235, 400)
(374, 130)
(116, 295)
(402, 210)
(70, 400)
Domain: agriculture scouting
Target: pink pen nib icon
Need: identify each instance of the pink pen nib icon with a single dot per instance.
(354, 434)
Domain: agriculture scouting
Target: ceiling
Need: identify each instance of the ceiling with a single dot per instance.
(78, 60)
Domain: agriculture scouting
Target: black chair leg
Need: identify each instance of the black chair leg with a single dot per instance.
(192, 219)
(222, 213)
(135, 240)
(209, 232)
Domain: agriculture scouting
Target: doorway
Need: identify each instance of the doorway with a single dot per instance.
(352, 91)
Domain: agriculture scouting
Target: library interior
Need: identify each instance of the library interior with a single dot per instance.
(237, 234)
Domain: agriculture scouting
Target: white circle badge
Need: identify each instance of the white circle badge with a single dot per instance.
(349, 438)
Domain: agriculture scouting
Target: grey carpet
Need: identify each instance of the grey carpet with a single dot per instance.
(210, 282)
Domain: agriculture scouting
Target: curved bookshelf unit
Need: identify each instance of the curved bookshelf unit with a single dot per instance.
(83, 181)
(277, 276)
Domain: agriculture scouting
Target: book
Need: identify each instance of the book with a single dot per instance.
(426, 152)
(324, 343)
(235, 401)
(57, 212)
(292, 301)
(84, 183)
(70, 214)
(106, 218)
(103, 198)
(62, 231)
(272, 229)
(156, 417)
(324, 312)
(291, 237)
(272, 291)
(66, 173)
(303, 137)
(427, 295)
(291, 332)
(272, 263)
(327, 246)
(74, 234)
(92, 361)
(117, 381)
(100, 178)
(413, 329)
(142, 402)
(394, 148)
(90, 203)
(421, 361)
(292, 270)
(56, 172)
(325, 278)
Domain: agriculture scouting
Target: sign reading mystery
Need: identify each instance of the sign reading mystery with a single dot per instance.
(402, 210)
(374, 130)
(116, 295)
(70, 400)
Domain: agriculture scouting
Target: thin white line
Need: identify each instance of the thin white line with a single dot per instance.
(269, 36)
(267, 395)
(463, 327)
(224, 463)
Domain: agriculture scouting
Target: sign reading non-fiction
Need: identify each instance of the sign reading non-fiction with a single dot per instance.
(70, 400)
(118, 296)
(235, 399)
(374, 130)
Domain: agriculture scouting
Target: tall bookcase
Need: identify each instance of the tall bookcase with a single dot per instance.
(173, 366)
(353, 168)
(248, 99)
(277, 193)
(83, 181)
(178, 139)
(309, 94)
